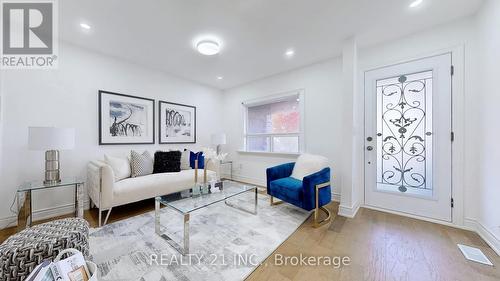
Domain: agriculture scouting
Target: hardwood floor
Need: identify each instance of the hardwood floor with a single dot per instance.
(380, 246)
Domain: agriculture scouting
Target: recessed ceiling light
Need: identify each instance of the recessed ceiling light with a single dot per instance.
(416, 3)
(208, 47)
(289, 53)
(84, 26)
(220, 77)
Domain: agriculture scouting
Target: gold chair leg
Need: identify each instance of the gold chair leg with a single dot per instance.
(324, 221)
(275, 203)
(318, 223)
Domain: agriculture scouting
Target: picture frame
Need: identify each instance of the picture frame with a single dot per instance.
(125, 119)
(177, 123)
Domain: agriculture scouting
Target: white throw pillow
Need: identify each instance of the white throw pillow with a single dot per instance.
(120, 166)
(308, 164)
(185, 164)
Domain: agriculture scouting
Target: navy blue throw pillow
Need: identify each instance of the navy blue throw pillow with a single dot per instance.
(201, 159)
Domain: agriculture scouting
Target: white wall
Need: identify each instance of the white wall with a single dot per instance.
(67, 97)
(487, 177)
(323, 118)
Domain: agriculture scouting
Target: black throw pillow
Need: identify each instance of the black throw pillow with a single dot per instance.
(167, 162)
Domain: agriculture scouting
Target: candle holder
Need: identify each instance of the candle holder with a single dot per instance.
(195, 171)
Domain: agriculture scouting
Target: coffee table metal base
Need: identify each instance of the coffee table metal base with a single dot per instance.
(254, 212)
(181, 249)
(184, 249)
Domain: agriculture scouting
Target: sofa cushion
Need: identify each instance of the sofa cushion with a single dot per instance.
(167, 162)
(141, 164)
(140, 188)
(200, 157)
(308, 164)
(185, 160)
(120, 166)
(288, 189)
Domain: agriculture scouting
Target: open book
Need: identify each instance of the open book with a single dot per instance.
(73, 268)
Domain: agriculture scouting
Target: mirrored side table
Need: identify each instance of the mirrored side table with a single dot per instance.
(24, 198)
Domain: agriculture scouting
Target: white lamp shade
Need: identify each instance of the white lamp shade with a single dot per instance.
(50, 138)
(219, 138)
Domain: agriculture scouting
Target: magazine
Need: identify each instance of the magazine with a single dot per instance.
(73, 268)
(39, 270)
(45, 275)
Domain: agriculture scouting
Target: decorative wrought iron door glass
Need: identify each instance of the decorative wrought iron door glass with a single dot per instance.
(404, 134)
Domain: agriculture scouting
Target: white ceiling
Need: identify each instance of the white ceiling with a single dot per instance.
(255, 33)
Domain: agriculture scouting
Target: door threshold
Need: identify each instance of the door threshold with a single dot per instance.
(422, 218)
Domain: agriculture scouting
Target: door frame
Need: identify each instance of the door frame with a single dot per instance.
(458, 127)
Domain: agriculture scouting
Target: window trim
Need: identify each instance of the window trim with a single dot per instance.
(271, 99)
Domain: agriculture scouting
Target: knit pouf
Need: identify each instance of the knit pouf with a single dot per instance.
(22, 252)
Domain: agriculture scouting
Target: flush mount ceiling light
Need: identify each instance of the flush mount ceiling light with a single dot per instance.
(220, 77)
(85, 26)
(416, 3)
(208, 47)
(289, 53)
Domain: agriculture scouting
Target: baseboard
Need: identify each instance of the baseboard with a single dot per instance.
(484, 233)
(45, 213)
(249, 180)
(335, 197)
(348, 212)
(8, 222)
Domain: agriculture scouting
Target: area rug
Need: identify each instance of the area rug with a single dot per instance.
(226, 243)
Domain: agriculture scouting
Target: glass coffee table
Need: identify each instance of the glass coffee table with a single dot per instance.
(188, 201)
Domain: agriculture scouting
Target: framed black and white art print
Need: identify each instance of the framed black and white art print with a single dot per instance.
(177, 123)
(125, 119)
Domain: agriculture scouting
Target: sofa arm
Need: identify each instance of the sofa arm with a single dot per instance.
(100, 180)
(213, 165)
(278, 172)
(309, 189)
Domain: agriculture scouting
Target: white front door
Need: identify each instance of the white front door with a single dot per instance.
(408, 136)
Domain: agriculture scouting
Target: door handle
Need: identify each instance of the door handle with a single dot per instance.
(369, 148)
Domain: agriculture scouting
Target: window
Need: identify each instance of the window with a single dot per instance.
(274, 124)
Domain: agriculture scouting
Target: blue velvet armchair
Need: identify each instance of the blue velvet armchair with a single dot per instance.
(312, 192)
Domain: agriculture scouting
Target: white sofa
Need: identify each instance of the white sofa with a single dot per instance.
(107, 193)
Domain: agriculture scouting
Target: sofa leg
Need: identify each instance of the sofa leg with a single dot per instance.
(107, 215)
(100, 216)
(317, 222)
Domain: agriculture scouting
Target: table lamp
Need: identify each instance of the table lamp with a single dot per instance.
(218, 139)
(51, 140)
